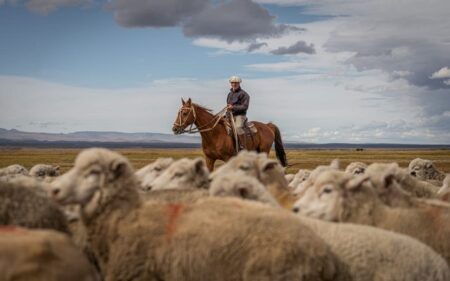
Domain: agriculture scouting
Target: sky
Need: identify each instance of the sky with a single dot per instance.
(360, 71)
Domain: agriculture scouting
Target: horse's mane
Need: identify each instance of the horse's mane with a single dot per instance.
(202, 107)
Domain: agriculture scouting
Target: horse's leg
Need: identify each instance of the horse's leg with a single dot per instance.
(210, 163)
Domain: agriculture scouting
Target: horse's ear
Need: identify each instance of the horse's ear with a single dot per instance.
(189, 101)
(182, 101)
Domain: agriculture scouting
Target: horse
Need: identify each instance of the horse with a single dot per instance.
(217, 144)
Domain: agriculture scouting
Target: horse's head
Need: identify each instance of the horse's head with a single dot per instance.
(185, 117)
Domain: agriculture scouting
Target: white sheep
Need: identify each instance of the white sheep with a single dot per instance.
(43, 170)
(147, 174)
(238, 184)
(384, 174)
(444, 191)
(371, 254)
(41, 255)
(23, 202)
(268, 171)
(425, 170)
(213, 239)
(340, 197)
(182, 174)
(301, 176)
(356, 168)
(14, 169)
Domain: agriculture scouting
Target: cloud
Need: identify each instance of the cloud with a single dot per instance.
(441, 73)
(255, 46)
(235, 20)
(154, 13)
(45, 7)
(299, 47)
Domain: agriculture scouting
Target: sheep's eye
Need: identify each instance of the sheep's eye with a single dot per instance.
(244, 167)
(41, 174)
(94, 173)
(327, 190)
(177, 175)
(158, 169)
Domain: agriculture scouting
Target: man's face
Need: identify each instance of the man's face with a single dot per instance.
(235, 85)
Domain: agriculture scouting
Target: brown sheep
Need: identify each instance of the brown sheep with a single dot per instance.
(41, 255)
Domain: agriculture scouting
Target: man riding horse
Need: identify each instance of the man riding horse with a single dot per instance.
(237, 102)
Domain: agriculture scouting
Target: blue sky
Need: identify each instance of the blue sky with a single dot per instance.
(324, 71)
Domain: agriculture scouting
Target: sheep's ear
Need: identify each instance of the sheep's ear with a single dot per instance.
(268, 165)
(356, 182)
(335, 164)
(199, 166)
(389, 175)
(118, 168)
(57, 167)
(182, 101)
(428, 165)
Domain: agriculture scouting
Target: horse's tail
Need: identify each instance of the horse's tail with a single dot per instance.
(279, 148)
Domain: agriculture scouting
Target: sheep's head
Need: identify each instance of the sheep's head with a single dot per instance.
(312, 176)
(422, 169)
(386, 180)
(326, 198)
(97, 173)
(237, 184)
(245, 161)
(301, 176)
(149, 173)
(182, 174)
(356, 168)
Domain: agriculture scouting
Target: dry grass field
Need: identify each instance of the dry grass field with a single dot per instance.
(297, 158)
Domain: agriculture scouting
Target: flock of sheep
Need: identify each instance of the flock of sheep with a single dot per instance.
(247, 220)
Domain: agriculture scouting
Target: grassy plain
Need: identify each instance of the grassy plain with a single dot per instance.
(298, 158)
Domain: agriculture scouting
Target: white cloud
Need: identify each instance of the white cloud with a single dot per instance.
(299, 105)
(441, 73)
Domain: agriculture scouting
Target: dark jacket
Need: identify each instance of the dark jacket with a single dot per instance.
(240, 101)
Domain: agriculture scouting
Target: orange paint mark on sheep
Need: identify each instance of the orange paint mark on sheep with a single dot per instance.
(11, 229)
(173, 211)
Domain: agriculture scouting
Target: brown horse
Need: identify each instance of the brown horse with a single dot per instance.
(217, 144)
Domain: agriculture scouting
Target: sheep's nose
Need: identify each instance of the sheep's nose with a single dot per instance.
(296, 209)
(413, 173)
(55, 191)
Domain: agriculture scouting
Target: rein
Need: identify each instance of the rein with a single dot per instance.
(201, 129)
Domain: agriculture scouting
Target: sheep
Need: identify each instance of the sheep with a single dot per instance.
(184, 173)
(300, 176)
(340, 197)
(356, 168)
(268, 171)
(444, 191)
(150, 172)
(309, 181)
(42, 171)
(15, 169)
(213, 239)
(41, 255)
(370, 253)
(186, 195)
(426, 171)
(382, 175)
(241, 185)
(289, 177)
(25, 204)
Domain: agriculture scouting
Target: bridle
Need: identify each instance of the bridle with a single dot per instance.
(201, 129)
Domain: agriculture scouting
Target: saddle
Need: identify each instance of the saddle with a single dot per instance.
(249, 128)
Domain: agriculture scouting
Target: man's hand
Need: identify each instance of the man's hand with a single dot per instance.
(229, 106)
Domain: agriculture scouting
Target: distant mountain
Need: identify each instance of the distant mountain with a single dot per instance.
(93, 136)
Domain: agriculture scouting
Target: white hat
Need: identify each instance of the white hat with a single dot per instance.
(235, 79)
